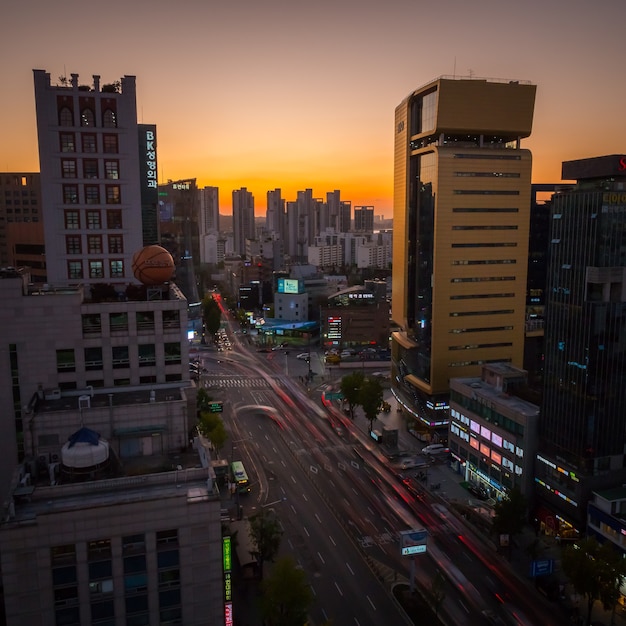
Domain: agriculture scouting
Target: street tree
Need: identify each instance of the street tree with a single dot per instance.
(612, 574)
(265, 534)
(351, 389)
(371, 398)
(211, 314)
(286, 596)
(510, 514)
(203, 400)
(212, 427)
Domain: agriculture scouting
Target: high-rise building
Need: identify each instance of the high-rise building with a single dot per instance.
(582, 414)
(243, 219)
(21, 224)
(209, 210)
(98, 166)
(461, 222)
(364, 219)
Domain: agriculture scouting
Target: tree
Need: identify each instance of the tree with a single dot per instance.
(286, 595)
(203, 400)
(351, 389)
(265, 534)
(612, 572)
(370, 398)
(211, 314)
(586, 566)
(438, 591)
(510, 513)
(212, 427)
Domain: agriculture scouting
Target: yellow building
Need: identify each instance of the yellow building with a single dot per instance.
(462, 187)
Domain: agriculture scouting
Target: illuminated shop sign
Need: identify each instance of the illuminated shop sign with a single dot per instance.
(227, 562)
(228, 614)
(180, 186)
(151, 166)
(288, 285)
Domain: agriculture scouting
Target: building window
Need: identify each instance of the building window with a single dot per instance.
(133, 544)
(89, 143)
(172, 353)
(171, 319)
(484, 210)
(120, 357)
(92, 324)
(94, 244)
(90, 168)
(66, 361)
(75, 270)
(93, 359)
(112, 170)
(93, 220)
(87, 118)
(116, 268)
(116, 243)
(113, 194)
(110, 144)
(145, 320)
(70, 194)
(67, 142)
(72, 244)
(118, 322)
(109, 119)
(66, 118)
(92, 194)
(114, 219)
(96, 269)
(147, 355)
(72, 220)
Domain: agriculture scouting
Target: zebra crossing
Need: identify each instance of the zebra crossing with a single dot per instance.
(209, 380)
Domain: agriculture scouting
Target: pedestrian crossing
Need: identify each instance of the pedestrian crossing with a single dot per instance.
(235, 382)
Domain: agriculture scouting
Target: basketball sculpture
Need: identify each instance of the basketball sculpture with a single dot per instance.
(153, 265)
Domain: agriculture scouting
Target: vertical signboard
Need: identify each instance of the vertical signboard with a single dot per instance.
(228, 590)
(149, 184)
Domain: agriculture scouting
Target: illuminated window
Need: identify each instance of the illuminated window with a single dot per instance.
(93, 220)
(116, 268)
(475, 426)
(484, 449)
(87, 118)
(75, 270)
(72, 220)
(109, 119)
(72, 244)
(67, 142)
(70, 194)
(485, 432)
(113, 194)
(112, 170)
(95, 269)
(496, 458)
(89, 142)
(474, 443)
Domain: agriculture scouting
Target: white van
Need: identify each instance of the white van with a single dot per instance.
(434, 448)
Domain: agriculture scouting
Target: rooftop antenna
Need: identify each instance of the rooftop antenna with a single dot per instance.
(454, 70)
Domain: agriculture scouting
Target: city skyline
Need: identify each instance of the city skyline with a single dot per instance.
(269, 96)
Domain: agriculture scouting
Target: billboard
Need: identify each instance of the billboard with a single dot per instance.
(413, 541)
(289, 285)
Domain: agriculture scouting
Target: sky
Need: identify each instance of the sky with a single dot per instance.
(301, 94)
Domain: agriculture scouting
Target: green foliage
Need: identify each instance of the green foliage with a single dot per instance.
(510, 514)
(265, 534)
(286, 595)
(211, 314)
(351, 389)
(212, 427)
(203, 400)
(371, 398)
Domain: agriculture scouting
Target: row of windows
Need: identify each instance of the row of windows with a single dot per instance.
(91, 219)
(485, 262)
(487, 156)
(484, 210)
(481, 279)
(479, 362)
(480, 346)
(87, 118)
(95, 269)
(508, 244)
(145, 320)
(473, 313)
(479, 296)
(120, 357)
(513, 227)
(69, 168)
(74, 244)
(486, 192)
(488, 174)
(112, 194)
(486, 329)
(89, 143)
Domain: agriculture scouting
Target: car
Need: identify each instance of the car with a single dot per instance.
(480, 492)
(333, 359)
(303, 356)
(435, 448)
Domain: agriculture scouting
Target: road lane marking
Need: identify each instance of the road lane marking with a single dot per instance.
(306, 531)
(332, 540)
(370, 601)
(317, 517)
(321, 558)
(349, 568)
(338, 589)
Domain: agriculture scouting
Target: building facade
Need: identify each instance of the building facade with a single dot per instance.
(460, 238)
(582, 424)
(243, 219)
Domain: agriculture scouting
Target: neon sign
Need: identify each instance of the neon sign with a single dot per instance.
(151, 172)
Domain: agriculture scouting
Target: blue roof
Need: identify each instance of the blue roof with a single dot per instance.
(84, 435)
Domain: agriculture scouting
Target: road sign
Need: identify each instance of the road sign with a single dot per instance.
(542, 567)
(216, 407)
(333, 395)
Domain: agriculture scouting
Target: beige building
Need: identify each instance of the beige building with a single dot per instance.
(460, 237)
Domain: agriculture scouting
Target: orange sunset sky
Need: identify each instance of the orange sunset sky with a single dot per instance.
(302, 94)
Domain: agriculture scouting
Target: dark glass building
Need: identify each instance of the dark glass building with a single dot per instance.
(583, 422)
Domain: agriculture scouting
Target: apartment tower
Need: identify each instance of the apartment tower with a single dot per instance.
(461, 225)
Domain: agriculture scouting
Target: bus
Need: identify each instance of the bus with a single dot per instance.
(240, 477)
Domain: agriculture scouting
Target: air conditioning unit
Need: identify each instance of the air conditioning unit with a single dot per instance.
(84, 402)
(52, 394)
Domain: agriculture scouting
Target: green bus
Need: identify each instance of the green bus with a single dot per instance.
(240, 477)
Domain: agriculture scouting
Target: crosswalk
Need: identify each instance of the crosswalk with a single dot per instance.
(235, 382)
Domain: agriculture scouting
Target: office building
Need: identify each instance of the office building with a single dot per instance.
(97, 167)
(243, 219)
(209, 210)
(582, 413)
(21, 223)
(364, 219)
(460, 236)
